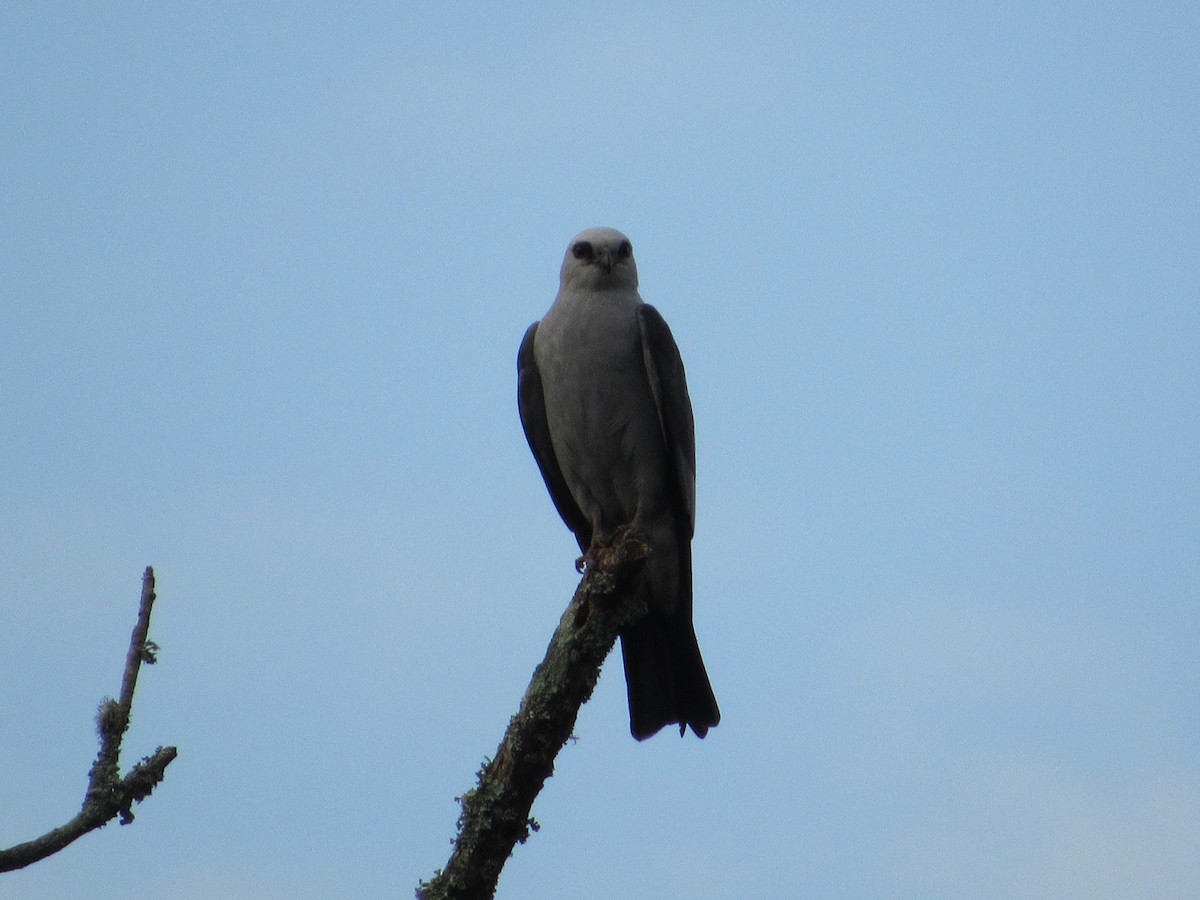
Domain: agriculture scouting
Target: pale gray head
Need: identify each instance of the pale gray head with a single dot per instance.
(599, 259)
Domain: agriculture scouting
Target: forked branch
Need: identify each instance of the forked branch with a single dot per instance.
(108, 794)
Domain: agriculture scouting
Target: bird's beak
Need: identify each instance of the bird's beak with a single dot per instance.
(607, 260)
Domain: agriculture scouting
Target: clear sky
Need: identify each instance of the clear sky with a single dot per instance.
(933, 271)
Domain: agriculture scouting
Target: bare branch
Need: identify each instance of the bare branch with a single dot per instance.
(108, 795)
(495, 813)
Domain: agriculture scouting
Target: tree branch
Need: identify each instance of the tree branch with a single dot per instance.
(108, 795)
(495, 813)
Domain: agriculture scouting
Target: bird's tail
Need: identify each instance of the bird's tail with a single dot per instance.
(665, 676)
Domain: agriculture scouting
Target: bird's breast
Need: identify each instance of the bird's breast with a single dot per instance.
(601, 415)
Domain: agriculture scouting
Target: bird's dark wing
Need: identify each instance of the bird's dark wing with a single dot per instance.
(531, 404)
(664, 369)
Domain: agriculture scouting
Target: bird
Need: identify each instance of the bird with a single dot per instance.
(603, 401)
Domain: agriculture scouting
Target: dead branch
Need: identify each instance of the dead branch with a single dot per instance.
(495, 813)
(108, 794)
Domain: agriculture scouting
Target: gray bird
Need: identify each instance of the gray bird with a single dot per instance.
(605, 408)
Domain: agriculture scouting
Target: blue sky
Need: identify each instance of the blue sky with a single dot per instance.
(932, 269)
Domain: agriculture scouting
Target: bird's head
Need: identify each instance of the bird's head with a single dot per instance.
(599, 259)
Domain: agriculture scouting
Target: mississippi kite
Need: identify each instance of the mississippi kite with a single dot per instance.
(605, 408)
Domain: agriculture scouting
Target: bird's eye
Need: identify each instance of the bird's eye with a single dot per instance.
(583, 250)
(625, 250)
